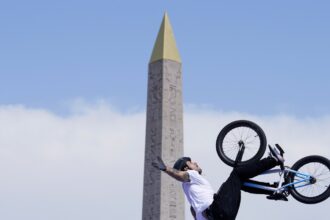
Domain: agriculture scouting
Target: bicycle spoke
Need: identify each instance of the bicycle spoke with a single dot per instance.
(318, 171)
(235, 137)
(233, 134)
(230, 150)
(323, 179)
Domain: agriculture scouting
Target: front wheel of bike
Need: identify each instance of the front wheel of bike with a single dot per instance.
(236, 134)
(311, 181)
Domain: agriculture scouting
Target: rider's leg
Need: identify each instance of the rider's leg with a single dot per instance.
(227, 200)
(254, 169)
(257, 190)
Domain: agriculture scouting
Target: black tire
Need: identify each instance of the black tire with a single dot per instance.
(319, 189)
(250, 133)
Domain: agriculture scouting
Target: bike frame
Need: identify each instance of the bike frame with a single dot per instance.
(283, 186)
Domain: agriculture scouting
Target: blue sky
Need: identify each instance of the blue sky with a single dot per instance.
(251, 56)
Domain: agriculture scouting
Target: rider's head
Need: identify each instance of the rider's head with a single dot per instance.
(185, 163)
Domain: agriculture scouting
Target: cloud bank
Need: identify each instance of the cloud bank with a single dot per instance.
(89, 164)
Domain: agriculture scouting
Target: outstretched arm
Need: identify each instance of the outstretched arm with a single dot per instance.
(182, 176)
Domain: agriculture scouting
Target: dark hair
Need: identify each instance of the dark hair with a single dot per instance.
(181, 163)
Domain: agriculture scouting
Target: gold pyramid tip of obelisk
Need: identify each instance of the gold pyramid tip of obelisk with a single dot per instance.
(165, 46)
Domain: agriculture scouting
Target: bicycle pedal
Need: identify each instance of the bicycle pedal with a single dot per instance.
(280, 149)
(277, 196)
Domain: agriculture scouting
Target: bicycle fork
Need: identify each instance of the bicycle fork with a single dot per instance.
(240, 152)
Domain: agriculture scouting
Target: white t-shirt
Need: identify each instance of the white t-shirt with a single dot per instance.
(198, 192)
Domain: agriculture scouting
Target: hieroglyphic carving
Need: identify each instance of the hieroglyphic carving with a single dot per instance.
(152, 179)
(162, 197)
(173, 134)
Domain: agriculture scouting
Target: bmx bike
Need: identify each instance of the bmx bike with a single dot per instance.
(308, 180)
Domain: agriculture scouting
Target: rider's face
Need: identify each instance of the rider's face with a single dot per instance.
(194, 166)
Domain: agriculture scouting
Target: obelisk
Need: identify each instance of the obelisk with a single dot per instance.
(163, 198)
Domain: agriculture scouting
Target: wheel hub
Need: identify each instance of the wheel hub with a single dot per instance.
(241, 143)
(312, 180)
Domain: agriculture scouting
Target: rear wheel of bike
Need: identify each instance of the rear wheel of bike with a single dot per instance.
(313, 189)
(236, 134)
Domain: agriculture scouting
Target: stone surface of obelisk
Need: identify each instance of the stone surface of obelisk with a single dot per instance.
(163, 197)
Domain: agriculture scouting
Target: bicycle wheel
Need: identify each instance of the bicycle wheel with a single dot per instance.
(317, 188)
(236, 133)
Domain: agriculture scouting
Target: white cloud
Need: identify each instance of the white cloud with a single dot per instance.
(77, 167)
(89, 165)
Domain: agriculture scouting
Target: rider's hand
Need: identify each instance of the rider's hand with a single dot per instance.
(159, 164)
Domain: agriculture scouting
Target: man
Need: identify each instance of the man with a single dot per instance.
(225, 203)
